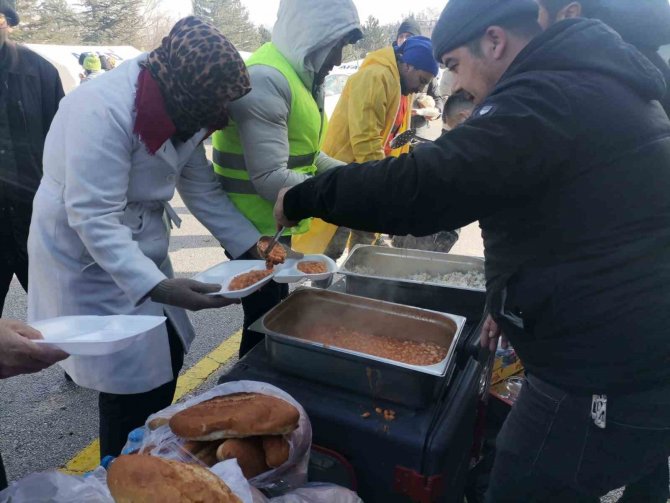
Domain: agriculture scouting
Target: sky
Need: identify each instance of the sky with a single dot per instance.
(264, 11)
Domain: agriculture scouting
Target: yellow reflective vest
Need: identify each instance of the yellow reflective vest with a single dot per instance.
(305, 126)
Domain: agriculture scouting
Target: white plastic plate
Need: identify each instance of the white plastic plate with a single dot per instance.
(288, 271)
(94, 335)
(223, 273)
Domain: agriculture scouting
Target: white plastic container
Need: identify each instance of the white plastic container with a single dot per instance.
(223, 273)
(94, 335)
(288, 272)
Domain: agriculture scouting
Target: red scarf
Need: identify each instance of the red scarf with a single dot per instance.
(397, 125)
(152, 124)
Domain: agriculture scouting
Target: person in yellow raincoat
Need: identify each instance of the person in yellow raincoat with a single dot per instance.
(368, 115)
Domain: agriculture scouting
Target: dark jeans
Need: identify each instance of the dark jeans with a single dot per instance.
(259, 303)
(14, 261)
(550, 450)
(121, 414)
(3, 475)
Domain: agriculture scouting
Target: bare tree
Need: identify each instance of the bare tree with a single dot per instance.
(375, 36)
(232, 18)
(157, 24)
(115, 22)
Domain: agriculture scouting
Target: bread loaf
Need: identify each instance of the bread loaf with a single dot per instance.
(235, 416)
(203, 451)
(148, 479)
(248, 452)
(276, 450)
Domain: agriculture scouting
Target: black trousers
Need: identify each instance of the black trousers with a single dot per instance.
(550, 450)
(259, 303)
(13, 261)
(3, 475)
(121, 414)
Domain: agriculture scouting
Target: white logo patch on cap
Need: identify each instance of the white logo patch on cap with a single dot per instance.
(485, 110)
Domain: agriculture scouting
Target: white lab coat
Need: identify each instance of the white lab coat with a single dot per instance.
(100, 230)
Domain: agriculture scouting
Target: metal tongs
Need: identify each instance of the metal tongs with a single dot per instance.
(408, 136)
(274, 241)
(289, 252)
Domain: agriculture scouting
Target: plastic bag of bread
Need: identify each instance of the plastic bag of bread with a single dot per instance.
(259, 425)
(57, 487)
(140, 478)
(315, 492)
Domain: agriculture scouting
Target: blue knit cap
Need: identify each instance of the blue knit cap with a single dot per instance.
(418, 52)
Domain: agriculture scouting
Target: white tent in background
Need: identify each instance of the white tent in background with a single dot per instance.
(66, 58)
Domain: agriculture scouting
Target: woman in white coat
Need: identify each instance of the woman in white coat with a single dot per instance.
(117, 149)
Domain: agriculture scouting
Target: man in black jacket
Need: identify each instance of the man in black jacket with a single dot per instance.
(642, 23)
(566, 164)
(30, 90)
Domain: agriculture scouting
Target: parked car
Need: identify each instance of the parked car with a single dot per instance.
(333, 86)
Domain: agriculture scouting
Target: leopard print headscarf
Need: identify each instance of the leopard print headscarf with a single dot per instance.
(198, 72)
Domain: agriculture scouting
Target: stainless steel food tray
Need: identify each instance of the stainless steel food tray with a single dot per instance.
(381, 378)
(390, 269)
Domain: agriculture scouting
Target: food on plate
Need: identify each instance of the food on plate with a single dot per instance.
(402, 350)
(312, 267)
(276, 449)
(247, 279)
(248, 452)
(277, 253)
(147, 479)
(235, 416)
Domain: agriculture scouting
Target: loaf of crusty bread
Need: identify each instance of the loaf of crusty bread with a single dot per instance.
(235, 416)
(248, 452)
(203, 451)
(276, 450)
(147, 479)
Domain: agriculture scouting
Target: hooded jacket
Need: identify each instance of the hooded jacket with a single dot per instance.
(366, 111)
(567, 167)
(305, 32)
(643, 23)
(32, 91)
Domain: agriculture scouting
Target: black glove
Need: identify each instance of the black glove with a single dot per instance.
(189, 294)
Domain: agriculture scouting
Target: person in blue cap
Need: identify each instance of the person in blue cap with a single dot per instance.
(374, 108)
(565, 163)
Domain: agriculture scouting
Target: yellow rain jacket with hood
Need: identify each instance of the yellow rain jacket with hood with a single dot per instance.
(366, 112)
(360, 129)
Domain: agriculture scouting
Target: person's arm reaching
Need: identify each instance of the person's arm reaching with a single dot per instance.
(262, 120)
(204, 197)
(502, 156)
(324, 163)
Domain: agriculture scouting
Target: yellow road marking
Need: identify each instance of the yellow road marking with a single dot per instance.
(89, 457)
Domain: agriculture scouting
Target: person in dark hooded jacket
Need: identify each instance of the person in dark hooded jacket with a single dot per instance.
(30, 90)
(642, 23)
(565, 162)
